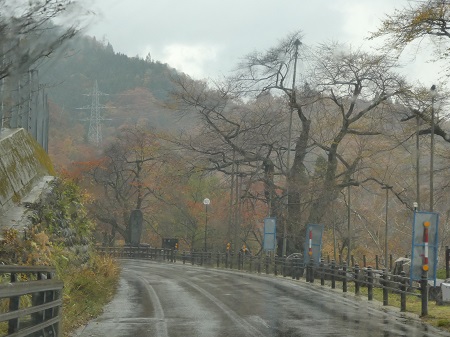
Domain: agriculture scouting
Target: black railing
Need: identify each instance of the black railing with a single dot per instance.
(31, 301)
(329, 273)
(139, 252)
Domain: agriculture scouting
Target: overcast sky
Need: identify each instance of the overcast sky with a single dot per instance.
(206, 38)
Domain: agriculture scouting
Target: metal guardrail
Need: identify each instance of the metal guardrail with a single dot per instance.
(32, 301)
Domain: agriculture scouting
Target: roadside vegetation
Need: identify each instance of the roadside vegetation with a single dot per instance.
(438, 315)
(61, 236)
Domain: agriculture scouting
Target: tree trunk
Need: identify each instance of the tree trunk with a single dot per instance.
(296, 182)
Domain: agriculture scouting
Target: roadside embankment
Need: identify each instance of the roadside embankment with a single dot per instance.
(25, 173)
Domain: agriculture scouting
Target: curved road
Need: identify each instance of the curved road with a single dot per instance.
(162, 300)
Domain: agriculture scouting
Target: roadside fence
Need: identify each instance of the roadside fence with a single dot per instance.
(30, 301)
(330, 273)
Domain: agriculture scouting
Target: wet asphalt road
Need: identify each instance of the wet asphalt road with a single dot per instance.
(176, 300)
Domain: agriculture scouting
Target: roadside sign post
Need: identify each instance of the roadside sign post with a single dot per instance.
(270, 234)
(313, 243)
(424, 246)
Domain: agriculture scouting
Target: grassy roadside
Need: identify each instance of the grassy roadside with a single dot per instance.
(438, 315)
(87, 290)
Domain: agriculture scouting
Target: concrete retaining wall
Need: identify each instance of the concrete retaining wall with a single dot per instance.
(23, 165)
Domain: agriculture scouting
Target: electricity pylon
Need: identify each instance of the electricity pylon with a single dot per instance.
(96, 119)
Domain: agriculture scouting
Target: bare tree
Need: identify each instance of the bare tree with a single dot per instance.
(29, 33)
(125, 178)
(342, 100)
(245, 122)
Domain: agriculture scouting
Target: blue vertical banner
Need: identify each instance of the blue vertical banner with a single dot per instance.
(313, 243)
(424, 250)
(270, 234)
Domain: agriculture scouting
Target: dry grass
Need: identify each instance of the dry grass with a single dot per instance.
(87, 290)
(438, 315)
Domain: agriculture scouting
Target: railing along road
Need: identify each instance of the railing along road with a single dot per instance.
(31, 301)
(327, 272)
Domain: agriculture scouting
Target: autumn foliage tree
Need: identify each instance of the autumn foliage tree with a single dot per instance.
(417, 20)
(127, 178)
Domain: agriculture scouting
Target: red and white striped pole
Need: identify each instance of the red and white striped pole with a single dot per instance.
(310, 243)
(426, 224)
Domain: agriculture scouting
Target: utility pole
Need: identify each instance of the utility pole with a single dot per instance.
(433, 95)
(417, 161)
(288, 162)
(386, 255)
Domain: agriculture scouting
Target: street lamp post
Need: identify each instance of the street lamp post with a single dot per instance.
(206, 202)
(386, 256)
(433, 95)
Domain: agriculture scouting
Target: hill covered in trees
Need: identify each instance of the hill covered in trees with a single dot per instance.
(72, 72)
(130, 91)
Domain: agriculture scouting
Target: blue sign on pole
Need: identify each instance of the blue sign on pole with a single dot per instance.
(313, 243)
(270, 234)
(424, 245)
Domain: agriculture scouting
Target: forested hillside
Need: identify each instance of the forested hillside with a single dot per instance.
(131, 91)
(72, 72)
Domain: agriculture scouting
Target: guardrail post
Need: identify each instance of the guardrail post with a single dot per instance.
(447, 262)
(403, 281)
(192, 258)
(184, 257)
(275, 265)
(267, 264)
(231, 261)
(259, 264)
(311, 271)
(333, 274)
(385, 287)
(284, 266)
(294, 268)
(322, 272)
(13, 324)
(344, 277)
(291, 267)
(424, 292)
(356, 271)
(369, 283)
(391, 262)
(38, 298)
(307, 274)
